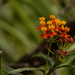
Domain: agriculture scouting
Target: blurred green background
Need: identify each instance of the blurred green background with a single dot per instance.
(19, 20)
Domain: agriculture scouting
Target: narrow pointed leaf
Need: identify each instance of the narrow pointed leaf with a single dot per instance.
(7, 69)
(24, 69)
(66, 66)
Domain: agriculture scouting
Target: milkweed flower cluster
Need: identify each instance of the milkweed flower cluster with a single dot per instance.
(55, 29)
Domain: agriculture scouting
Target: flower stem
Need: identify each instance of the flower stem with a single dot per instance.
(1, 69)
(46, 66)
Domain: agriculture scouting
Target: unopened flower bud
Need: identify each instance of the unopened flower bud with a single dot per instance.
(70, 39)
(60, 40)
(64, 40)
(59, 52)
(62, 56)
(66, 53)
(67, 39)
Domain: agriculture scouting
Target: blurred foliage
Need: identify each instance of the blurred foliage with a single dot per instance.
(18, 22)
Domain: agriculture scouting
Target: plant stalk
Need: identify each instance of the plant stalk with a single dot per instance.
(46, 66)
(1, 68)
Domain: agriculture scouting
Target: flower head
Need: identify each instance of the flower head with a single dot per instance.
(53, 27)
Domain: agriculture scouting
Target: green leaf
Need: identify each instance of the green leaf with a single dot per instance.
(61, 59)
(71, 53)
(24, 69)
(42, 56)
(1, 68)
(26, 20)
(6, 69)
(37, 55)
(70, 66)
(70, 56)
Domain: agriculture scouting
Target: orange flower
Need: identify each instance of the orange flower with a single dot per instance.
(63, 22)
(62, 28)
(51, 34)
(53, 27)
(56, 28)
(44, 35)
(67, 29)
(64, 34)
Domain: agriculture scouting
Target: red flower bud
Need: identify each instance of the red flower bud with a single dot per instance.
(64, 40)
(62, 56)
(70, 39)
(66, 53)
(60, 40)
(59, 52)
(67, 39)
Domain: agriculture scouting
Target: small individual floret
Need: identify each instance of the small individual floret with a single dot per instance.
(49, 22)
(63, 22)
(42, 18)
(42, 22)
(64, 34)
(51, 27)
(52, 16)
(62, 28)
(67, 29)
(58, 22)
(44, 29)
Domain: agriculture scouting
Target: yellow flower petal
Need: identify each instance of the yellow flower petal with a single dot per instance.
(42, 22)
(49, 22)
(42, 18)
(52, 16)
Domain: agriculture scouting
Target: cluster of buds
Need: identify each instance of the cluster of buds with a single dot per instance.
(66, 40)
(62, 53)
(53, 27)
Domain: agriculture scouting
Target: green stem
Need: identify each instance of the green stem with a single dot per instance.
(67, 46)
(46, 66)
(1, 69)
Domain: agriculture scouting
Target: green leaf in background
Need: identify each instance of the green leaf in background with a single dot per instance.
(24, 69)
(62, 66)
(70, 66)
(42, 56)
(6, 69)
